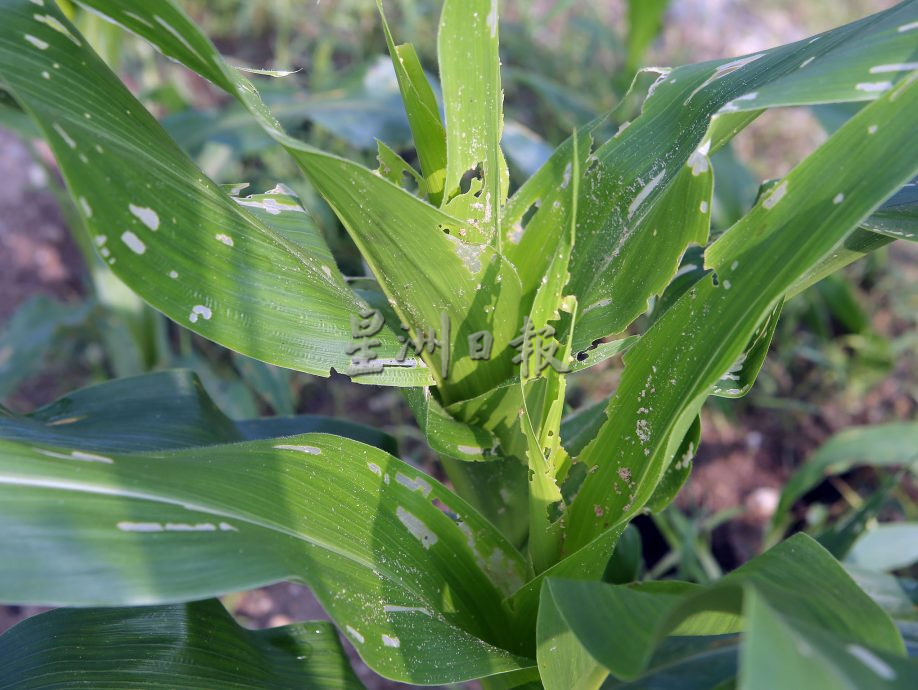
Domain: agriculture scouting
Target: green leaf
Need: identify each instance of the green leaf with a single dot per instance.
(186, 646)
(423, 113)
(808, 594)
(365, 106)
(645, 19)
(898, 217)
(884, 445)
(387, 224)
(579, 428)
(688, 663)
(548, 191)
(116, 416)
(467, 47)
(448, 436)
(897, 596)
(691, 111)
(401, 564)
(563, 662)
(166, 230)
(740, 378)
(887, 547)
(678, 471)
(30, 334)
(840, 535)
(757, 261)
(811, 658)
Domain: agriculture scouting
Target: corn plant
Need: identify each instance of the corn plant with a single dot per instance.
(135, 503)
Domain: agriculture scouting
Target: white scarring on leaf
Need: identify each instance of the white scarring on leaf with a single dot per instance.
(598, 305)
(375, 469)
(733, 106)
(55, 24)
(417, 484)
(908, 27)
(469, 253)
(309, 450)
(37, 42)
(725, 69)
(389, 641)
(417, 528)
(225, 239)
(356, 636)
(87, 209)
(271, 206)
(775, 196)
(199, 310)
(388, 608)
(186, 527)
(492, 19)
(698, 161)
(76, 455)
(872, 661)
(140, 527)
(644, 193)
(566, 180)
(63, 135)
(874, 86)
(133, 242)
(838, 198)
(276, 73)
(147, 216)
(897, 67)
(469, 450)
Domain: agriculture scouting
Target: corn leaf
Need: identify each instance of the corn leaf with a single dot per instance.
(691, 111)
(883, 445)
(165, 229)
(811, 658)
(645, 19)
(417, 252)
(194, 646)
(404, 567)
(467, 47)
(898, 217)
(423, 113)
(886, 547)
(798, 581)
(563, 661)
(741, 376)
(687, 663)
(755, 262)
(115, 416)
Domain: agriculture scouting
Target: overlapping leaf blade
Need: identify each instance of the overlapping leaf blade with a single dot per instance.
(165, 229)
(810, 600)
(116, 416)
(423, 114)
(473, 101)
(756, 262)
(403, 565)
(416, 251)
(883, 445)
(691, 111)
(194, 646)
